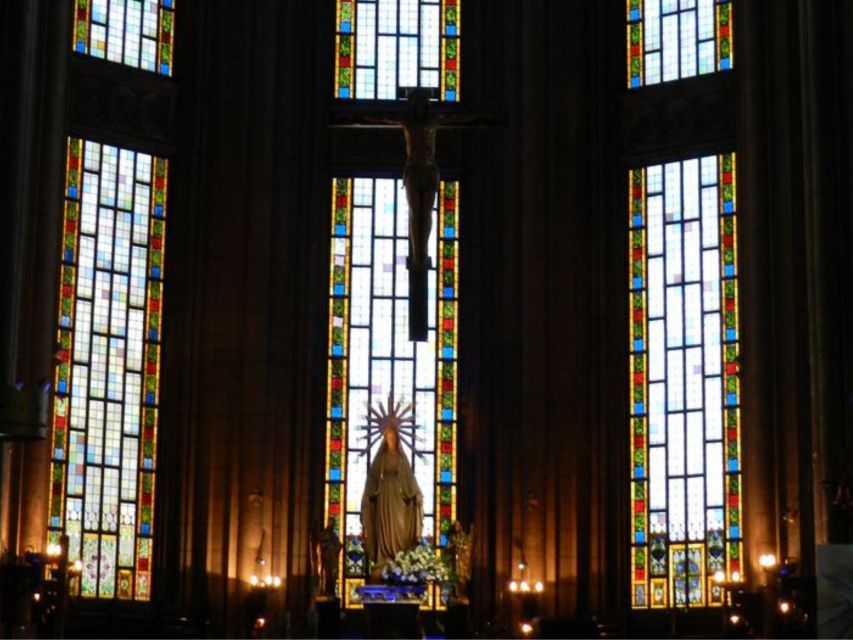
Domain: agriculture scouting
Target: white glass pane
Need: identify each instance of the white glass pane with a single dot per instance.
(101, 316)
(402, 344)
(651, 24)
(408, 62)
(106, 226)
(674, 264)
(426, 362)
(688, 44)
(657, 477)
(430, 37)
(92, 512)
(116, 30)
(675, 444)
(365, 41)
(696, 508)
(654, 222)
(383, 268)
(713, 409)
(138, 275)
(387, 16)
(676, 506)
(362, 192)
(674, 311)
(714, 473)
(695, 443)
(675, 380)
(706, 57)
(711, 279)
(692, 252)
(690, 180)
(360, 298)
(653, 71)
(409, 17)
(656, 289)
(386, 73)
(692, 314)
(382, 333)
(401, 275)
(713, 354)
(357, 414)
(133, 397)
(85, 266)
(706, 19)
(365, 83)
(359, 357)
(135, 329)
(83, 330)
(141, 206)
(129, 465)
(657, 413)
(380, 383)
(693, 377)
(362, 226)
(672, 195)
(657, 350)
(710, 218)
(670, 48)
(384, 208)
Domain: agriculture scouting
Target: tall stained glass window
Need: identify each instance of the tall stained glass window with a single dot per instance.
(138, 33)
(384, 45)
(684, 386)
(106, 381)
(370, 354)
(674, 39)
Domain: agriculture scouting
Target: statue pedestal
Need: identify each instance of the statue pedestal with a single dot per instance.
(328, 617)
(392, 611)
(457, 622)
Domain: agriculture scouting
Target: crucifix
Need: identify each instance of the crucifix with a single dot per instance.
(420, 124)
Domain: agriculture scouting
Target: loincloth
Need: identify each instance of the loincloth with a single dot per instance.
(421, 176)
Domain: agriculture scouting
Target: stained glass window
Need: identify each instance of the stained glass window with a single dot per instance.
(385, 45)
(138, 33)
(106, 381)
(370, 354)
(684, 387)
(674, 39)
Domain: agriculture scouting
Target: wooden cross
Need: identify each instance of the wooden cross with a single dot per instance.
(420, 122)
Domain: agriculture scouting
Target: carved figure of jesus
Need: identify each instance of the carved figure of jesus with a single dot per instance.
(420, 125)
(420, 177)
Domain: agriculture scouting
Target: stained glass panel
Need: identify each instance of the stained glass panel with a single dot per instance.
(382, 46)
(684, 383)
(107, 379)
(675, 39)
(370, 354)
(138, 33)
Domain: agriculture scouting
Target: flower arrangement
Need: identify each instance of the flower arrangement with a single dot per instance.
(416, 566)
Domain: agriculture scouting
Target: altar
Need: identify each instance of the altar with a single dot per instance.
(392, 611)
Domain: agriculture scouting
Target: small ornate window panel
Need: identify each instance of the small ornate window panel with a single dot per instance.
(138, 33)
(382, 46)
(675, 39)
(106, 382)
(686, 533)
(370, 355)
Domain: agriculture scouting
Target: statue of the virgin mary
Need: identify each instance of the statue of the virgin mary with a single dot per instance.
(392, 504)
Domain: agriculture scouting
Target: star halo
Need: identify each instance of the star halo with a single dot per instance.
(394, 416)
